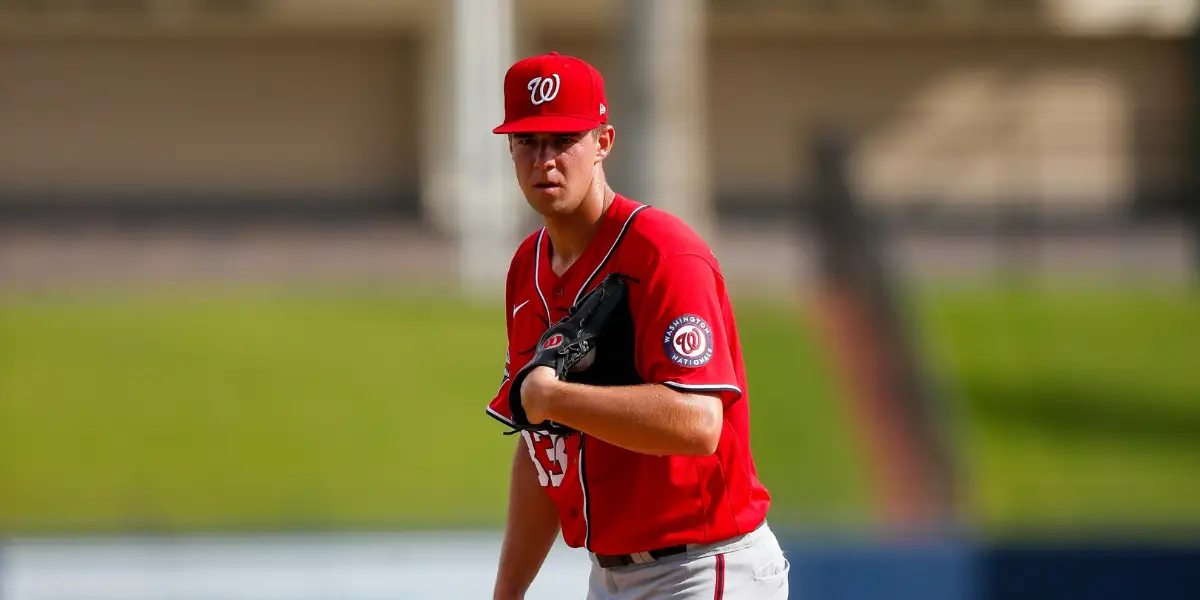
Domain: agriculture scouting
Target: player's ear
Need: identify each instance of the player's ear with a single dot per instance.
(604, 138)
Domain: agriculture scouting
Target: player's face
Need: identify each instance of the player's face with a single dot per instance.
(555, 170)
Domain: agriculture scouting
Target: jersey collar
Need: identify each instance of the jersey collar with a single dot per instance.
(613, 226)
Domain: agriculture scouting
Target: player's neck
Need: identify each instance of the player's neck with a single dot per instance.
(571, 234)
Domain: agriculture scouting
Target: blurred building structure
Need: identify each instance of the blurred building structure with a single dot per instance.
(382, 108)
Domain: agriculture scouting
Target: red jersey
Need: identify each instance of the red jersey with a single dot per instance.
(611, 500)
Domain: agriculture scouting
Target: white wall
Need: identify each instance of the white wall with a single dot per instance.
(429, 566)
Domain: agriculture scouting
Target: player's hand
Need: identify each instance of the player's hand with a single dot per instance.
(536, 390)
(566, 346)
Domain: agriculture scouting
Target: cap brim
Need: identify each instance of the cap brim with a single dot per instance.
(548, 124)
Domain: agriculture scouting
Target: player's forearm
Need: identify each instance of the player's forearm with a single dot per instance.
(530, 532)
(651, 419)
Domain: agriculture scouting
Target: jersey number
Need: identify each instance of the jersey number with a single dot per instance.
(549, 454)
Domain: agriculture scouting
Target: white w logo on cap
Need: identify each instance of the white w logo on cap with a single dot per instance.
(543, 89)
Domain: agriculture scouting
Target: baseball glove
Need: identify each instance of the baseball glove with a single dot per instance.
(568, 346)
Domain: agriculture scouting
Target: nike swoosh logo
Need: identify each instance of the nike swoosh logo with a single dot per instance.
(518, 307)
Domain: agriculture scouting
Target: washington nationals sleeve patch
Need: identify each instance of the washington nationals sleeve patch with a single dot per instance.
(688, 341)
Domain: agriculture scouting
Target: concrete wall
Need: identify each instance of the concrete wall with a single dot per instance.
(941, 119)
(1066, 122)
(89, 120)
(953, 120)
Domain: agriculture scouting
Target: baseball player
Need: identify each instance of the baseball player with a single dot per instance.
(623, 375)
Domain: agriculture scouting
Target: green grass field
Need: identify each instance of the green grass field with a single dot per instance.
(259, 411)
(1076, 408)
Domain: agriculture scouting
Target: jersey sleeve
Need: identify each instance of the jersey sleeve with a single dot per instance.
(682, 337)
(498, 407)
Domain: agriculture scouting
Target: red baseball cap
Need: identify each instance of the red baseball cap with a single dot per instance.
(552, 93)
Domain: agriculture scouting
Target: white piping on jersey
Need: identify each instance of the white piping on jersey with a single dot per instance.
(501, 417)
(691, 387)
(587, 526)
(537, 276)
(537, 283)
(611, 249)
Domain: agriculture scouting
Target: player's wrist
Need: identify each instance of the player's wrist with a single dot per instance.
(536, 391)
(511, 586)
(503, 594)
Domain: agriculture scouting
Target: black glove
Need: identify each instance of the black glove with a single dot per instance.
(567, 345)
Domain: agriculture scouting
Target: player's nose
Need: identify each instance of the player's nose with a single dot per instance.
(545, 159)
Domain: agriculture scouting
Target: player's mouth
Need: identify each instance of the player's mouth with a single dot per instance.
(546, 186)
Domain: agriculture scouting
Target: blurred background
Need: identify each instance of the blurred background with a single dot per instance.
(252, 256)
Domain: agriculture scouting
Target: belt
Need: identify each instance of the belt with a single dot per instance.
(608, 561)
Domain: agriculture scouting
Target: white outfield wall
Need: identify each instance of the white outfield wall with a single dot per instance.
(275, 567)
